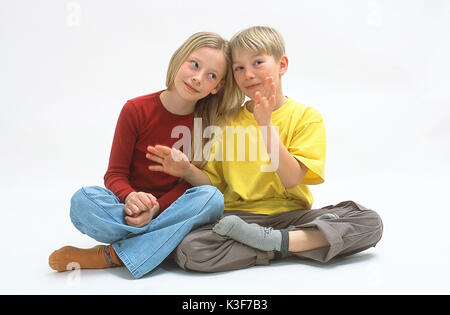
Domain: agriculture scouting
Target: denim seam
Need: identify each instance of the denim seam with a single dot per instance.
(134, 270)
(123, 257)
(93, 201)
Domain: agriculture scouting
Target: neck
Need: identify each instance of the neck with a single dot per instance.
(175, 104)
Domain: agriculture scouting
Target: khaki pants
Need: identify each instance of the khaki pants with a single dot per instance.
(356, 229)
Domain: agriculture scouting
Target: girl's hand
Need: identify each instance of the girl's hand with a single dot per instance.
(265, 103)
(138, 202)
(172, 161)
(144, 218)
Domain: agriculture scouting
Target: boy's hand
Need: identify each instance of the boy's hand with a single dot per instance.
(265, 103)
(172, 161)
(144, 218)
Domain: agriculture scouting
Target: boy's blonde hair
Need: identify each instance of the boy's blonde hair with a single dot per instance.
(214, 109)
(260, 39)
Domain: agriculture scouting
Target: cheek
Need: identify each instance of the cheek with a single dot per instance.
(238, 78)
(266, 71)
(183, 71)
(209, 85)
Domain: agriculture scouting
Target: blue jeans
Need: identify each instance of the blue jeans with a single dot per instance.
(97, 212)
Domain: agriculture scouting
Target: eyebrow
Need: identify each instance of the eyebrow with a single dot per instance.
(252, 56)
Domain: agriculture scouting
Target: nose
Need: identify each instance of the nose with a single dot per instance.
(249, 74)
(196, 78)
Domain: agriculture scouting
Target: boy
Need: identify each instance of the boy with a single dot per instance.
(267, 201)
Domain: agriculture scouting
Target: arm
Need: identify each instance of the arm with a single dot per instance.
(117, 176)
(288, 168)
(174, 162)
(170, 196)
(196, 177)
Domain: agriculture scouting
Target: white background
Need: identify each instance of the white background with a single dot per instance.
(378, 71)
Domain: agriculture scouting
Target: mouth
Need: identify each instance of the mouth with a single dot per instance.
(253, 86)
(190, 88)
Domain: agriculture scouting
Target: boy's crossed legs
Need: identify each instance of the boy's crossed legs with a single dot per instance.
(321, 234)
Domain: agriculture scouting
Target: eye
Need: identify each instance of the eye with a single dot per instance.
(212, 75)
(238, 68)
(258, 62)
(194, 63)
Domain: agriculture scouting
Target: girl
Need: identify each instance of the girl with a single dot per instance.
(144, 215)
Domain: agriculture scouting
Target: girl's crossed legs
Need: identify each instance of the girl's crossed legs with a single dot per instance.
(97, 212)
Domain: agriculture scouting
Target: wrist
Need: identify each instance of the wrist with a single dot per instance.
(266, 123)
(188, 172)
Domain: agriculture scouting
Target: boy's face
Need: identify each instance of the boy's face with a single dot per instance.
(250, 69)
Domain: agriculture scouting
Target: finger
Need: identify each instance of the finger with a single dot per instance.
(140, 220)
(264, 101)
(183, 156)
(156, 168)
(154, 158)
(273, 102)
(133, 208)
(163, 149)
(135, 203)
(257, 98)
(127, 211)
(268, 87)
(177, 155)
(153, 151)
(152, 198)
(132, 221)
(145, 199)
(141, 203)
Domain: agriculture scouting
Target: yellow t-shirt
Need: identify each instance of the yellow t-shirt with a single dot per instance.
(238, 158)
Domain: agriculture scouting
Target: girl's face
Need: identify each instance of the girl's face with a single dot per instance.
(201, 74)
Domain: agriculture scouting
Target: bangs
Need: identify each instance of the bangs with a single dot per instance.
(260, 39)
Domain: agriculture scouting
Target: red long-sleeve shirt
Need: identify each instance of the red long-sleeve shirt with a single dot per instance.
(144, 121)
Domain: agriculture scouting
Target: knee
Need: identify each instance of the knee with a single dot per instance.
(81, 204)
(377, 225)
(181, 253)
(190, 255)
(214, 202)
(369, 218)
(200, 251)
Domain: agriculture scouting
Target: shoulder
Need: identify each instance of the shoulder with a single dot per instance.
(243, 117)
(300, 113)
(145, 100)
(143, 106)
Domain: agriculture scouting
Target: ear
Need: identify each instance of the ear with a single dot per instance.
(283, 65)
(218, 87)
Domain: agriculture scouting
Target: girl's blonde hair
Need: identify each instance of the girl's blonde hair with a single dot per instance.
(261, 39)
(214, 109)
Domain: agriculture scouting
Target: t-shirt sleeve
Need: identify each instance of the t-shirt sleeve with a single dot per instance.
(308, 146)
(213, 168)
